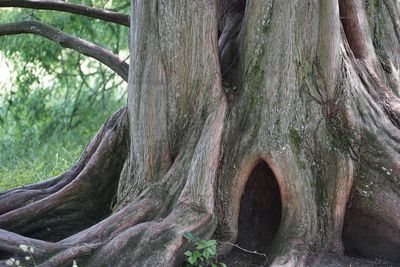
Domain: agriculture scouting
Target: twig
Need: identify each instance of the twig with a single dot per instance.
(246, 250)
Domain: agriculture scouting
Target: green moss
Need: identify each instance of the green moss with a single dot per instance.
(257, 81)
(295, 143)
(255, 101)
(295, 139)
(340, 139)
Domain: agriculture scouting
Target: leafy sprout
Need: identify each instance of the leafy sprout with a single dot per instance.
(204, 252)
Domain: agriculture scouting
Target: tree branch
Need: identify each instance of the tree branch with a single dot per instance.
(97, 13)
(68, 41)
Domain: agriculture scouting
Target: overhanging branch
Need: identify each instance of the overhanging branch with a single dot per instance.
(97, 13)
(68, 41)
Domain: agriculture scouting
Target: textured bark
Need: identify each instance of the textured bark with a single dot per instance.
(277, 116)
(305, 108)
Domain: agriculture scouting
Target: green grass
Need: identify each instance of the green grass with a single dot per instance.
(23, 163)
(36, 150)
(54, 100)
(39, 138)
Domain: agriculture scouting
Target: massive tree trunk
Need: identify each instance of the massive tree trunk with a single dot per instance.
(273, 124)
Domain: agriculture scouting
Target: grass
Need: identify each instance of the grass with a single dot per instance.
(37, 143)
(26, 161)
(36, 150)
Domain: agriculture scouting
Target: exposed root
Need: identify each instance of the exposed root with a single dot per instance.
(153, 222)
(294, 258)
(169, 189)
(19, 197)
(154, 243)
(133, 214)
(9, 242)
(372, 221)
(67, 256)
(372, 225)
(74, 200)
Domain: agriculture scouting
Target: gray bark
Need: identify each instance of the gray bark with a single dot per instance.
(307, 98)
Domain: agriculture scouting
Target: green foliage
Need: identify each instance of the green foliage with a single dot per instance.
(204, 252)
(53, 100)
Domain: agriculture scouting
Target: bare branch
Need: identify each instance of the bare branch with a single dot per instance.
(68, 41)
(97, 13)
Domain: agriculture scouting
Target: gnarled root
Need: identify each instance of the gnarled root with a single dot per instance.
(74, 200)
(145, 232)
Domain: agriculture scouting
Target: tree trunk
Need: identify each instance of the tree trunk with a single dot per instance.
(273, 124)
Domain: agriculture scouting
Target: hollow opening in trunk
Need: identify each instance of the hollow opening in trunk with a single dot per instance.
(367, 236)
(260, 210)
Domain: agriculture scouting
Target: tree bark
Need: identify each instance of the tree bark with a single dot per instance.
(288, 119)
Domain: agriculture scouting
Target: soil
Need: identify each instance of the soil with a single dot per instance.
(242, 259)
(238, 258)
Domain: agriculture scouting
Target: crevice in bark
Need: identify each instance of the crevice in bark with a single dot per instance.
(260, 210)
(350, 17)
(230, 24)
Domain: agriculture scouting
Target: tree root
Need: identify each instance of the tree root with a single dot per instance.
(76, 199)
(145, 232)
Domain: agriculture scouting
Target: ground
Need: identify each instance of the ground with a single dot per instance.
(239, 259)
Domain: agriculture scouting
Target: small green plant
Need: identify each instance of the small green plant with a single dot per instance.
(204, 254)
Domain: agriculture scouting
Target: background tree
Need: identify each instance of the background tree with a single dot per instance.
(304, 127)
